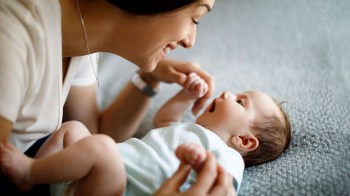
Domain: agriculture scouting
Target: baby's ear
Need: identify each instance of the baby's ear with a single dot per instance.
(245, 143)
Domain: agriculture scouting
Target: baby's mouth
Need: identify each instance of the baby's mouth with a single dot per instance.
(212, 106)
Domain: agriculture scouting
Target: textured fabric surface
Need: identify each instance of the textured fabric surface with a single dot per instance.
(296, 51)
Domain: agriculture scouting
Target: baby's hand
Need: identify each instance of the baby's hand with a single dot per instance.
(191, 153)
(195, 86)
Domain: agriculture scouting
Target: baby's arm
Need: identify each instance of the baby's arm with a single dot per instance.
(191, 153)
(174, 108)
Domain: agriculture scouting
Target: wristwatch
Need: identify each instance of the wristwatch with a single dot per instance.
(143, 86)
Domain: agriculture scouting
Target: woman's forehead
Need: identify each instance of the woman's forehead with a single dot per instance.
(208, 4)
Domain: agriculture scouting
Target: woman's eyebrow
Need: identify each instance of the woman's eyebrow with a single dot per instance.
(207, 6)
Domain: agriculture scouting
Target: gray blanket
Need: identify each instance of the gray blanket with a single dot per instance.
(297, 51)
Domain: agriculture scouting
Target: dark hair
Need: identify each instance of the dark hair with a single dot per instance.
(274, 138)
(149, 7)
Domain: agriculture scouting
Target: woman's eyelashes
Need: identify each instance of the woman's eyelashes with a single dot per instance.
(195, 21)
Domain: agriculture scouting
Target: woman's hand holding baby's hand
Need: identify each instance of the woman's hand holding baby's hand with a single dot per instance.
(212, 180)
(195, 86)
(174, 71)
(191, 153)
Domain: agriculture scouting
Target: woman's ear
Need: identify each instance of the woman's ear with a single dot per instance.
(245, 144)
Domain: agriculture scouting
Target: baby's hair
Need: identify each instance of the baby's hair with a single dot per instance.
(274, 138)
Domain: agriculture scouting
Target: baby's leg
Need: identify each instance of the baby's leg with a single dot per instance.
(69, 132)
(191, 153)
(108, 176)
(94, 162)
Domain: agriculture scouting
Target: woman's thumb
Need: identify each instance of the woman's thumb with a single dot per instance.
(180, 78)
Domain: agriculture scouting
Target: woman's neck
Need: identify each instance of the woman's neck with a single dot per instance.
(106, 31)
(83, 27)
(72, 34)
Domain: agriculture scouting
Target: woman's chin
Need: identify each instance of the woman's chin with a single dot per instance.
(149, 64)
(148, 67)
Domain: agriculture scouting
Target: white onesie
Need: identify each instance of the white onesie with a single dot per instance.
(151, 160)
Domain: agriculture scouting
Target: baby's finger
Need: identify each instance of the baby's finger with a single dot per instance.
(196, 82)
(199, 90)
(210, 81)
(204, 88)
(191, 77)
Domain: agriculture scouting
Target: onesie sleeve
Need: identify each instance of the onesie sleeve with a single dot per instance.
(233, 163)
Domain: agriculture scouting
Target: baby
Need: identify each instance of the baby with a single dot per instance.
(249, 128)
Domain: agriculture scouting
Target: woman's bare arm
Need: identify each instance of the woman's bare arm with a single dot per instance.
(120, 120)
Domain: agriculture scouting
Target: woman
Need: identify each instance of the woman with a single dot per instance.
(39, 76)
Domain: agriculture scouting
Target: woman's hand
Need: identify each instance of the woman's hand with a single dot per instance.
(211, 180)
(174, 71)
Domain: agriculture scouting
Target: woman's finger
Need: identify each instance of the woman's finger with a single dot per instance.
(206, 176)
(223, 185)
(178, 178)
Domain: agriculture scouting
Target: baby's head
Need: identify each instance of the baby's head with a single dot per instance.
(250, 122)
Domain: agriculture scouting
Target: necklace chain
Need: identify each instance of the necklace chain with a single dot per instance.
(87, 45)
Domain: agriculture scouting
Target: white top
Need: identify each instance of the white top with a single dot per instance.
(151, 160)
(32, 95)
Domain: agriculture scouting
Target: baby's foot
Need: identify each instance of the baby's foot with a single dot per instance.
(16, 165)
(191, 153)
(196, 86)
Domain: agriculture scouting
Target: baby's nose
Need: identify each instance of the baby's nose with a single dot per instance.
(225, 95)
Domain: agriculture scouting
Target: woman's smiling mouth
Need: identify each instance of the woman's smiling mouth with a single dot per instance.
(168, 48)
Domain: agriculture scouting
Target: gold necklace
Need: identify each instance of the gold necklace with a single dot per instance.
(87, 45)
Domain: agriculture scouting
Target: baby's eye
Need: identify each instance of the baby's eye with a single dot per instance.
(240, 101)
(195, 21)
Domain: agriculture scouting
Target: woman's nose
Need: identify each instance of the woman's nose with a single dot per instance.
(189, 40)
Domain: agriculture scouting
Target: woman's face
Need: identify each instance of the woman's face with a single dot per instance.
(157, 35)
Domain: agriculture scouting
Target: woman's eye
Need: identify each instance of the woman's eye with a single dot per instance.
(195, 21)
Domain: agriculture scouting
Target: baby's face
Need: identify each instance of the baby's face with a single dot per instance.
(230, 114)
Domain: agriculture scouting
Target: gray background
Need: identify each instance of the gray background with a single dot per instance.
(298, 52)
